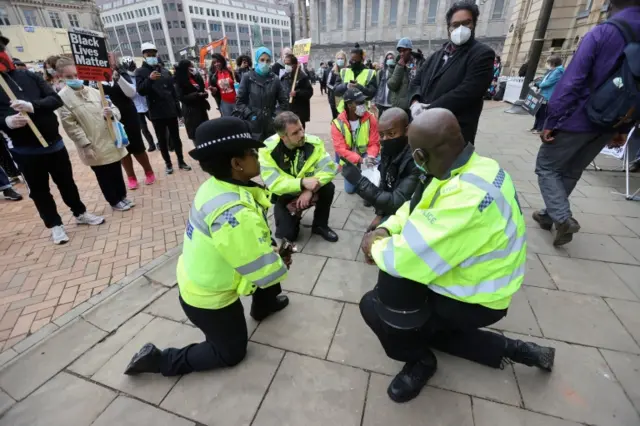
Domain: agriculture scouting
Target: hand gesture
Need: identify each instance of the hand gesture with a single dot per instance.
(155, 75)
(107, 112)
(16, 121)
(292, 94)
(369, 239)
(213, 90)
(547, 136)
(350, 172)
(618, 140)
(374, 223)
(352, 86)
(304, 200)
(115, 75)
(89, 152)
(401, 61)
(21, 106)
(311, 184)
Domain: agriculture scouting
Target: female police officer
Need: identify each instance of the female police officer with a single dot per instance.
(227, 253)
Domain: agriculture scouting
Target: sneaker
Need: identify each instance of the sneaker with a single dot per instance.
(132, 183)
(184, 166)
(147, 360)
(565, 231)
(152, 148)
(169, 170)
(14, 179)
(87, 218)
(536, 132)
(412, 378)
(58, 235)
(11, 194)
(130, 202)
(543, 219)
(121, 206)
(149, 178)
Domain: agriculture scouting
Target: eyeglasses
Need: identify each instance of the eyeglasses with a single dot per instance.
(466, 23)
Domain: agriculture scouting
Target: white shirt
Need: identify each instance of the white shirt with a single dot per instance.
(355, 125)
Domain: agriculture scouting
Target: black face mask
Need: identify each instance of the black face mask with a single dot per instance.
(393, 147)
(356, 65)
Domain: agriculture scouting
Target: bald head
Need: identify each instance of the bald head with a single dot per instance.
(392, 116)
(436, 139)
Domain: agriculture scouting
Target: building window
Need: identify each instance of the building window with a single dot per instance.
(135, 45)
(173, 41)
(169, 24)
(266, 31)
(339, 9)
(190, 9)
(31, 18)
(55, 19)
(356, 13)
(172, 6)
(157, 10)
(498, 9)
(144, 28)
(216, 27)
(208, 12)
(413, 12)
(166, 8)
(132, 30)
(229, 28)
(182, 25)
(179, 7)
(393, 12)
(201, 11)
(175, 24)
(323, 15)
(431, 12)
(161, 42)
(375, 6)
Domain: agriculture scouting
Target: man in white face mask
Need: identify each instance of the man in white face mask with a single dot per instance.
(457, 76)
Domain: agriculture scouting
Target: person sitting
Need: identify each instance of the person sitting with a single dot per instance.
(296, 168)
(355, 134)
(450, 261)
(228, 252)
(398, 173)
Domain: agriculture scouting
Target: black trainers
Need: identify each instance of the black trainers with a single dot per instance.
(326, 233)
(531, 354)
(279, 304)
(168, 169)
(411, 379)
(152, 147)
(147, 360)
(543, 219)
(565, 231)
(184, 166)
(11, 194)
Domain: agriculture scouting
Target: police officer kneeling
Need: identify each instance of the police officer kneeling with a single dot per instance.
(450, 261)
(227, 253)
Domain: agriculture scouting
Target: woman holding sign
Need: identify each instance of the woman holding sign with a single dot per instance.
(85, 121)
(296, 83)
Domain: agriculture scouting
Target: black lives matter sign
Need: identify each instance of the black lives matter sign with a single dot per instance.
(90, 55)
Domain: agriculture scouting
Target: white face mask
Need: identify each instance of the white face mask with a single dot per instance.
(460, 35)
(360, 110)
(192, 71)
(288, 68)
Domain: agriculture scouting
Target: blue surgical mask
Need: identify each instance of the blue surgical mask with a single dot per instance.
(74, 83)
(391, 62)
(340, 62)
(151, 60)
(263, 68)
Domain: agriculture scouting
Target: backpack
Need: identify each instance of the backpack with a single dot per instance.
(617, 100)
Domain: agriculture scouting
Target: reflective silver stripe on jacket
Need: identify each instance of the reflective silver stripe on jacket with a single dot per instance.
(484, 287)
(275, 174)
(259, 263)
(325, 165)
(197, 216)
(271, 277)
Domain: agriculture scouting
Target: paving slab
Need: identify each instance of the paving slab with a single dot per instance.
(488, 413)
(337, 217)
(632, 245)
(126, 411)
(345, 248)
(520, 318)
(348, 201)
(359, 220)
(432, 407)
(599, 247)
(580, 319)
(226, 397)
(355, 344)
(536, 274)
(91, 361)
(44, 360)
(586, 276)
(346, 280)
(114, 311)
(168, 306)
(633, 223)
(541, 242)
(629, 274)
(64, 401)
(602, 224)
(629, 314)
(148, 387)
(308, 391)
(165, 274)
(5, 402)
(596, 206)
(304, 272)
(626, 367)
(306, 325)
(581, 387)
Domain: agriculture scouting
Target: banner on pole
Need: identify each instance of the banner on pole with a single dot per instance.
(302, 49)
(89, 50)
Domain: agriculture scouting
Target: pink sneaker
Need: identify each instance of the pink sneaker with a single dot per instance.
(150, 178)
(132, 183)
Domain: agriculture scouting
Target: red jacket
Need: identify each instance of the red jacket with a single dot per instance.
(340, 145)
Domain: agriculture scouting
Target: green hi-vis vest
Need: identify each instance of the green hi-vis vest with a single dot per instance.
(362, 136)
(227, 249)
(346, 74)
(465, 239)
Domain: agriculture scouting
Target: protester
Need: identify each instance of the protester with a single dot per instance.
(193, 96)
(357, 76)
(259, 94)
(217, 264)
(450, 261)
(398, 174)
(297, 169)
(301, 93)
(36, 162)
(402, 74)
(497, 69)
(418, 58)
(547, 84)
(332, 81)
(121, 94)
(222, 84)
(7, 189)
(19, 64)
(50, 74)
(87, 122)
(570, 141)
(278, 67)
(244, 65)
(141, 104)
(457, 76)
(383, 96)
(156, 83)
(355, 134)
(322, 77)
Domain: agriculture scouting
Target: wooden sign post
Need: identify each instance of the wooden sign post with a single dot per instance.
(31, 124)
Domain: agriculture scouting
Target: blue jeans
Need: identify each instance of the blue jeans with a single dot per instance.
(226, 108)
(4, 180)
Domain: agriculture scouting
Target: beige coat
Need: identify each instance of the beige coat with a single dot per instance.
(83, 122)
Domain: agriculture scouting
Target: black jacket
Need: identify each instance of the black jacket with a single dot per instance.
(161, 95)
(331, 86)
(30, 87)
(194, 105)
(304, 91)
(213, 82)
(276, 68)
(398, 180)
(128, 111)
(458, 85)
(256, 102)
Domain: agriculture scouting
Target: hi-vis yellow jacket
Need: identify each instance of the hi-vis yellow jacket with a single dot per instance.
(347, 75)
(227, 248)
(311, 160)
(465, 239)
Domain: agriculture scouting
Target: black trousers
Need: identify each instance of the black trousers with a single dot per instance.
(111, 182)
(168, 126)
(36, 170)
(288, 226)
(225, 331)
(323, 88)
(452, 327)
(6, 161)
(142, 117)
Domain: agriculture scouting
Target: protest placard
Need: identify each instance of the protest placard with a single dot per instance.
(301, 49)
(533, 102)
(90, 55)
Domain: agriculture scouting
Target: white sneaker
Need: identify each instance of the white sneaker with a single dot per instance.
(122, 206)
(130, 202)
(58, 235)
(87, 218)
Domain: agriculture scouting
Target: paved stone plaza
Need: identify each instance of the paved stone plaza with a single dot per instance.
(316, 363)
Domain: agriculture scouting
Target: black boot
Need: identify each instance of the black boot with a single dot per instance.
(565, 231)
(531, 354)
(326, 233)
(411, 379)
(543, 220)
(279, 303)
(147, 360)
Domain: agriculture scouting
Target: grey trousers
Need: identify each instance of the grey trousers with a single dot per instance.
(559, 167)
